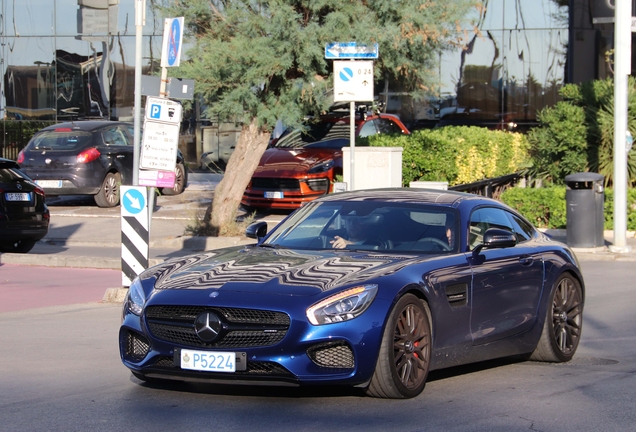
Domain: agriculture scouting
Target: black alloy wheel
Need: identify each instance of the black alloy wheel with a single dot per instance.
(405, 353)
(564, 319)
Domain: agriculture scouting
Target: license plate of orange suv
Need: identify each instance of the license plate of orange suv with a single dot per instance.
(274, 194)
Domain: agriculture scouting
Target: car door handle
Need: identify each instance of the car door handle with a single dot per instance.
(526, 260)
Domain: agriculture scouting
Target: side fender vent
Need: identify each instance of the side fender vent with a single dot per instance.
(457, 295)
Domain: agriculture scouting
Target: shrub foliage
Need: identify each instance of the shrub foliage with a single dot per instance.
(458, 155)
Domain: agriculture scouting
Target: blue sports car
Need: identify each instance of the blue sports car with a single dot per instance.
(368, 288)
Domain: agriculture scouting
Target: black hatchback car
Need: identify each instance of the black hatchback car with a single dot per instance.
(24, 216)
(87, 158)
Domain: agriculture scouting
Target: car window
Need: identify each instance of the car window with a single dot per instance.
(483, 219)
(314, 132)
(523, 230)
(368, 129)
(387, 126)
(60, 140)
(115, 136)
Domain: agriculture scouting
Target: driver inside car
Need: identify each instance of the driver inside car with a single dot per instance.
(356, 232)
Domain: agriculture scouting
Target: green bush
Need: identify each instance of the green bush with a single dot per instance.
(546, 207)
(457, 155)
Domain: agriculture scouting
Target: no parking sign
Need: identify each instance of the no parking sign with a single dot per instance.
(172, 38)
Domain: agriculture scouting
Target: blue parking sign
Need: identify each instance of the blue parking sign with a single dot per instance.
(155, 111)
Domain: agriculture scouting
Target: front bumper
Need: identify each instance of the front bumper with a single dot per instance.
(343, 353)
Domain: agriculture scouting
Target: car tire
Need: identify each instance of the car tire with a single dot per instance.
(405, 353)
(179, 181)
(18, 246)
(562, 328)
(108, 195)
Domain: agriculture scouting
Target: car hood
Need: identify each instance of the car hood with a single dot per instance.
(277, 161)
(273, 271)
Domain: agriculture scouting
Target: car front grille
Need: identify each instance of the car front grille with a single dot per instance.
(244, 328)
(275, 184)
(332, 355)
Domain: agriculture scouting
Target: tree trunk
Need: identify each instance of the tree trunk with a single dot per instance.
(251, 145)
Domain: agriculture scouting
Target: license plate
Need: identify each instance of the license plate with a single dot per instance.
(274, 194)
(210, 361)
(17, 196)
(49, 183)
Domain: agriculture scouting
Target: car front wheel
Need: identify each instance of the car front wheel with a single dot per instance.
(405, 354)
(18, 246)
(108, 195)
(563, 321)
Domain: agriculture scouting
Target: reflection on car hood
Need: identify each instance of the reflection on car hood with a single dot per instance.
(298, 160)
(280, 271)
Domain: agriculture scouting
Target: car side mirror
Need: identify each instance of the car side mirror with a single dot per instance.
(495, 238)
(257, 230)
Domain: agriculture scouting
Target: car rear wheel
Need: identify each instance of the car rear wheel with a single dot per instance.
(405, 353)
(562, 327)
(179, 181)
(17, 246)
(108, 195)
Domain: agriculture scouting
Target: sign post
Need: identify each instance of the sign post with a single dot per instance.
(135, 232)
(353, 82)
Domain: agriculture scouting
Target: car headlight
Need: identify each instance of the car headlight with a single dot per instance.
(343, 306)
(321, 167)
(136, 298)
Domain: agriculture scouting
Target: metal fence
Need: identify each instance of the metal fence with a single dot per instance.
(491, 188)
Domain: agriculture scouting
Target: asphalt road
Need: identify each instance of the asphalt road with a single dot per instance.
(60, 371)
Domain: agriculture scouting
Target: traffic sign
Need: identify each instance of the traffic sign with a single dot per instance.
(163, 110)
(353, 81)
(159, 146)
(171, 47)
(350, 50)
(133, 200)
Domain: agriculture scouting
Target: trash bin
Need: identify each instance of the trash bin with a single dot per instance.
(585, 218)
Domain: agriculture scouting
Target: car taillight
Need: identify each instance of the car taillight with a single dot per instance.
(39, 191)
(20, 157)
(88, 155)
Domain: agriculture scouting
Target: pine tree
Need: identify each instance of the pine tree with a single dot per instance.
(257, 62)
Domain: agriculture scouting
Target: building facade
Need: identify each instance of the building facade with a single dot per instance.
(74, 59)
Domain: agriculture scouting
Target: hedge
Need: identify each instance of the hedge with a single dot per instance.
(546, 207)
(458, 155)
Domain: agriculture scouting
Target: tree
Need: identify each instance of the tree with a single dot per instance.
(257, 62)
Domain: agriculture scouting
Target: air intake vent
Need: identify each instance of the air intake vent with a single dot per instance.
(137, 347)
(332, 355)
(457, 295)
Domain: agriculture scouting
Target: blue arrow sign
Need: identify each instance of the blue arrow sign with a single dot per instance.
(351, 50)
(133, 201)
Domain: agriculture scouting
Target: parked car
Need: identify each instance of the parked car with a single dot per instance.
(24, 216)
(436, 279)
(87, 158)
(302, 165)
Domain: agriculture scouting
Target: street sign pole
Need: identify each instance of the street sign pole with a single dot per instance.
(622, 69)
(140, 21)
(352, 141)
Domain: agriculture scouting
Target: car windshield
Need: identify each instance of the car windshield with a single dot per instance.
(334, 134)
(11, 174)
(364, 225)
(66, 140)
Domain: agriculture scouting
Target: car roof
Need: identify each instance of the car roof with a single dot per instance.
(8, 163)
(85, 125)
(408, 195)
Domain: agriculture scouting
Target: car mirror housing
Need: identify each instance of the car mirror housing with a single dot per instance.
(257, 230)
(495, 238)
